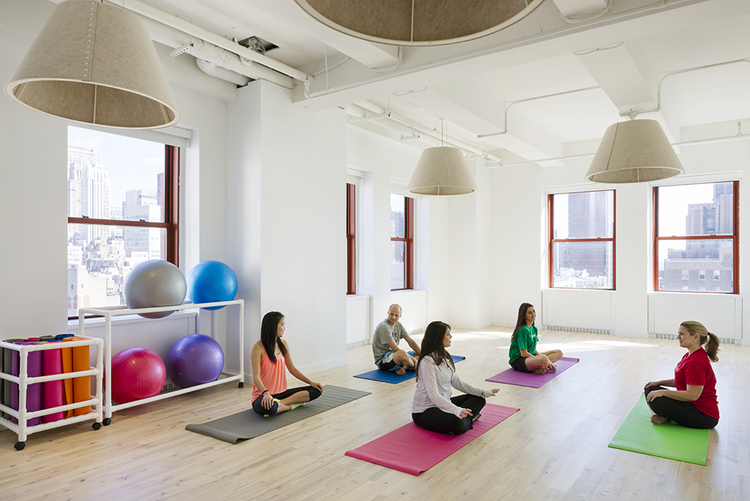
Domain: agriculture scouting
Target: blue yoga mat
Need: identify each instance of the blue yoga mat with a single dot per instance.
(392, 377)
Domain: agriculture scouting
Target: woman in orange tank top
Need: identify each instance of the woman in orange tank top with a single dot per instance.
(270, 359)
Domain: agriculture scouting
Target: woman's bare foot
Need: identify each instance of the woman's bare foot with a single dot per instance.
(657, 419)
(400, 371)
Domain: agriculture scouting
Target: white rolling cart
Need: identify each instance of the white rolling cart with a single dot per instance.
(23, 380)
(109, 312)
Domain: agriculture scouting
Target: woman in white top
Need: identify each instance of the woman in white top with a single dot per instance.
(433, 408)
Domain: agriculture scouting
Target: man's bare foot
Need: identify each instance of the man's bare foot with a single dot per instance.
(656, 419)
(400, 371)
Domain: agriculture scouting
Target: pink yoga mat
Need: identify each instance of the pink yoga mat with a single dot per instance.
(52, 390)
(529, 378)
(33, 391)
(428, 448)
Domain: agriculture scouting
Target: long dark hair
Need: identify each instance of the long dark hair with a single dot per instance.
(710, 339)
(432, 345)
(268, 329)
(521, 322)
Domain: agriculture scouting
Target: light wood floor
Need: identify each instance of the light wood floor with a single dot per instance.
(554, 448)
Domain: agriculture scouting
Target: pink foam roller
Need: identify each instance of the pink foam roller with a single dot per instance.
(52, 390)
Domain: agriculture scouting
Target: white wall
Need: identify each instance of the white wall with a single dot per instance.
(287, 176)
(33, 221)
(452, 243)
(519, 259)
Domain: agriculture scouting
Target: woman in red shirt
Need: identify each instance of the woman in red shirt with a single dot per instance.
(693, 403)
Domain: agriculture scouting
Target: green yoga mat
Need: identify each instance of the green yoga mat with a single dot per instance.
(248, 424)
(668, 440)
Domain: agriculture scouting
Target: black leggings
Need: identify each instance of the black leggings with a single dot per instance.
(681, 412)
(434, 419)
(258, 406)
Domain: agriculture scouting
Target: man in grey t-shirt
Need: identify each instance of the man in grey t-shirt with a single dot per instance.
(388, 333)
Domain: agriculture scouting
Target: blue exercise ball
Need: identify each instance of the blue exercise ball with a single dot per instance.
(194, 359)
(211, 281)
(155, 283)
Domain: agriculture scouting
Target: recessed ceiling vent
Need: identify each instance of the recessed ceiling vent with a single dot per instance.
(257, 44)
(419, 22)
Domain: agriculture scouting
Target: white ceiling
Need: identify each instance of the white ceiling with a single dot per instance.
(590, 71)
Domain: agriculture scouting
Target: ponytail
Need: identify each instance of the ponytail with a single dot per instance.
(709, 339)
(712, 346)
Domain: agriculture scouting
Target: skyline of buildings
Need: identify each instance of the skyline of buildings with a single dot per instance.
(101, 256)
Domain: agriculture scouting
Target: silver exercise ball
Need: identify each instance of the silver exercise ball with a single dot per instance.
(155, 283)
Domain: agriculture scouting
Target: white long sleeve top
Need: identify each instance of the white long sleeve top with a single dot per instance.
(434, 388)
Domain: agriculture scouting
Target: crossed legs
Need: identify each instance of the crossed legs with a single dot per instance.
(545, 361)
(284, 401)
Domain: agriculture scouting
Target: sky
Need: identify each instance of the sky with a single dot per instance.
(132, 163)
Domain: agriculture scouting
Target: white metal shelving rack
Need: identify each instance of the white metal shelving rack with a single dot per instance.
(23, 380)
(109, 312)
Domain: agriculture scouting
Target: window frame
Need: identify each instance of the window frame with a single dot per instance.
(408, 239)
(171, 210)
(735, 237)
(552, 241)
(351, 239)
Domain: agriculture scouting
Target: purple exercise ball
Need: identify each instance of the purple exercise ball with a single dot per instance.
(137, 373)
(194, 359)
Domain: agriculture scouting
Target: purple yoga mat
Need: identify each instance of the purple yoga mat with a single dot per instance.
(52, 390)
(428, 448)
(33, 391)
(530, 379)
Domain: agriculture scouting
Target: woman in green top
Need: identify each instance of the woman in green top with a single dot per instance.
(523, 354)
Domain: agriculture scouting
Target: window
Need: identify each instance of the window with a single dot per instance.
(123, 204)
(402, 242)
(582, 240)
(351, 249)
(695, 229)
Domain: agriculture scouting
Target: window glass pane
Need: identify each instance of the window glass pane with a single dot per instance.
(696, 209)
(687, 264)
(398, 255)
(398, 204)
(100, 258)
(584, 215)
(583, 265)
(114, 177)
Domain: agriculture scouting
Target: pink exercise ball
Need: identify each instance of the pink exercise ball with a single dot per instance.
(137, 373)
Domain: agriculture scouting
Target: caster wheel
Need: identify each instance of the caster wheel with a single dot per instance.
(19, 446)
(107, 421)
(96, 426)
(241, 385)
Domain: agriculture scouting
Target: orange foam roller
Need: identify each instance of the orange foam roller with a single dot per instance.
(79, 360)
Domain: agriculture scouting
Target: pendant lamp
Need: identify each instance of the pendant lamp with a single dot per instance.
(419, 23)
(441, 171)
(95, 63)
(636, 151)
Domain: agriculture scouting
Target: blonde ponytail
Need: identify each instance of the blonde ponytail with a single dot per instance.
(712, 346)
(710, 340)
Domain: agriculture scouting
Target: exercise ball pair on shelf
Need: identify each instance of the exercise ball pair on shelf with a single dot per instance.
(160, 283)
(139, 373)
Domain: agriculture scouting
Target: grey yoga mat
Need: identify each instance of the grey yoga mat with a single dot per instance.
(248, 424)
